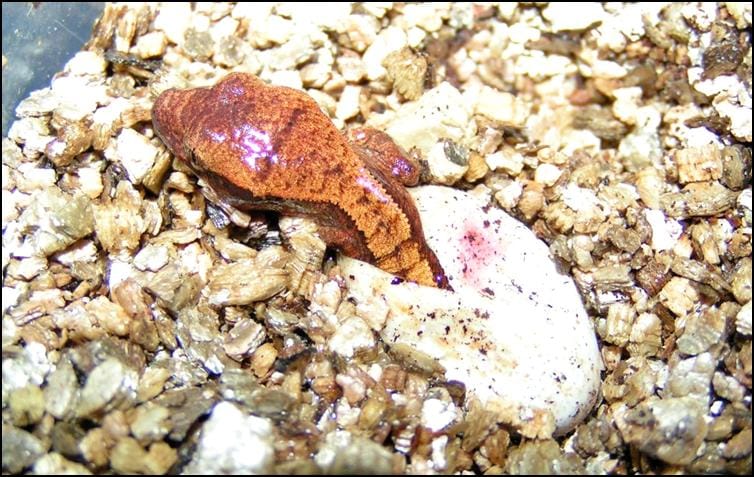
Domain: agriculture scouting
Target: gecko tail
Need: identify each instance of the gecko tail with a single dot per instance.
(415, 262)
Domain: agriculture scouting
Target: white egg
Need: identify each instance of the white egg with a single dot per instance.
(514, 330)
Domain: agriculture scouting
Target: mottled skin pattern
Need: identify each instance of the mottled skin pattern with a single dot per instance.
(271, 148)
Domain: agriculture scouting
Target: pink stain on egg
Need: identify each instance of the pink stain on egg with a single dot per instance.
(477, 253)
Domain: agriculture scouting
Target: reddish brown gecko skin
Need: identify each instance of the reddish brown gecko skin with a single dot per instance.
(271, 148)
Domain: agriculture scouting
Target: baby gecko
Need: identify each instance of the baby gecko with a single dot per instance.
(263, 147)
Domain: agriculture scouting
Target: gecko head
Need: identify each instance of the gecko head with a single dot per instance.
(204, 127)
(171, 115)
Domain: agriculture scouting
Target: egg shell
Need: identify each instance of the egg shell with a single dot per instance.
(514, 330)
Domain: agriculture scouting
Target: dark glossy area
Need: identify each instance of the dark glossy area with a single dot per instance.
(38, 39)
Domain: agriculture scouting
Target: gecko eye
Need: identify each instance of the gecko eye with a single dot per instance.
(191, 159)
